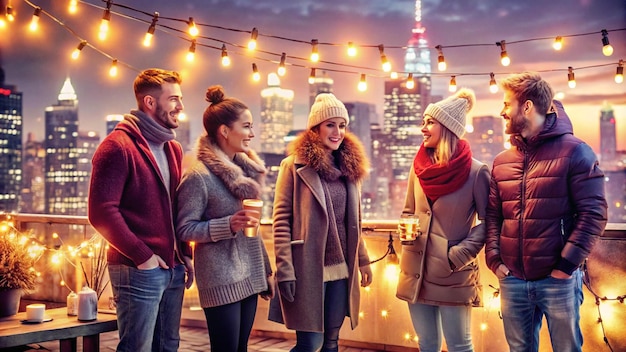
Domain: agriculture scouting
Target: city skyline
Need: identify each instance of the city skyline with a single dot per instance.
(447, 23)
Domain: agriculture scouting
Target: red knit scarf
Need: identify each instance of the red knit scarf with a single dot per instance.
(438, 180)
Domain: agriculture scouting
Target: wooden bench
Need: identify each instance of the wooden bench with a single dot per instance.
(62, 327)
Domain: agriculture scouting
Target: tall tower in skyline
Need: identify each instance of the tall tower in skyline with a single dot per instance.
(321, 84)
(276, 115)
(33, 180)
(403, 110)
(608, 136)
(10, 145)
(87, 143)
(61, 143)
(417, 56)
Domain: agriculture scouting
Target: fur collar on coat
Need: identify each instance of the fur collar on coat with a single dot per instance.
(244, 176)
(350, 158)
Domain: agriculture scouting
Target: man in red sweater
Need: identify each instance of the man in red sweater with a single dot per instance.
(135, 171)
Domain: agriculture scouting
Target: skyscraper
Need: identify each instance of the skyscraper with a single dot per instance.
(608, 136)
(487, 138)
(321, 84)
(87, 143)
(10, 146)
(404, 107)
(61, 143)
(112, 121)
(276, 115)
(33, 181)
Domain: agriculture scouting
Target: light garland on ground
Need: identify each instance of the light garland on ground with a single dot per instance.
(314, 45)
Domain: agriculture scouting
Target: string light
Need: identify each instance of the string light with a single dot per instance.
(9, 13)
(607, 49)
(34, 22)
(256, 76)
(351, 49)
(619, 74)
(191, 54)
(73, 7)
(383, 59)
(571, 81)
(312, 76)
(362, 83)
(393, 75)
(441, 61)
(410, 83)
(504, 57)
(113, 69)
(253, 37)
(104, 23)
(452, 85)
(193, 30)
(281, 67)
(558, 43)
(315, 56)
(225, 58)
(76, 52)
(147, 40)
(493, 86)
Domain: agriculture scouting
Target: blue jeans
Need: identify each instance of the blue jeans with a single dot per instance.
(149, 304)
(455, 321)
(335, 310)
(230, 325)
(524, 303)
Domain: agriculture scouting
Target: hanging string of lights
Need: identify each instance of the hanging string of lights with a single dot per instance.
(191, 34)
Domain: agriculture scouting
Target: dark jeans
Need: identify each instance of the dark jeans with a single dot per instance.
(335, 309)
(230, 325)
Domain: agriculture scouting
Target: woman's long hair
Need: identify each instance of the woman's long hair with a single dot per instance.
(445, 149)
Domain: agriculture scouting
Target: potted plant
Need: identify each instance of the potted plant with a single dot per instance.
(16, 270)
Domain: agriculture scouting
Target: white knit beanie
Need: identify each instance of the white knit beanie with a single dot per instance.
(326, 106)
(451, 112)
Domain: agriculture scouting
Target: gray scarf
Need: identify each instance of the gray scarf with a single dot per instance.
(150, 129)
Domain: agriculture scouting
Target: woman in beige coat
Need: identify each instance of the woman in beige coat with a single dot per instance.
(447, 191)
(317, 230)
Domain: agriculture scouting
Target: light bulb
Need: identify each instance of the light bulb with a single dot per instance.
(410, 83)
(193, 30)
(362, 84)
(113, 69)
(76, 52)
(351, 49)
(452, 85)
(253, 37)
(558, 43)
(493, 86)
(312, 76)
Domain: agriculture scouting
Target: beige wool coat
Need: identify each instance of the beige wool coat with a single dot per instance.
(449, 234)
(301, 214)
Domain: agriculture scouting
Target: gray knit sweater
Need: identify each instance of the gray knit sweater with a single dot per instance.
(228, 267)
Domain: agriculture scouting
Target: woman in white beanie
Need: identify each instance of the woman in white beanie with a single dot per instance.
(317, 230)
(447, 191)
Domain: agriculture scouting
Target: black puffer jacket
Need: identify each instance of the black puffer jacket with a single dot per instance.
(547, 205)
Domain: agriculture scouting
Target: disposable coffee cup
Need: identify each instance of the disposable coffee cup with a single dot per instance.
(35, 312)
(256, 205)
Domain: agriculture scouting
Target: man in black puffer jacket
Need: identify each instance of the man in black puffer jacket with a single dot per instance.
(546, 210)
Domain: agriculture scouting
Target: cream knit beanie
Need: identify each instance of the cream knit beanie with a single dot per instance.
(451, 112)
(326, 106)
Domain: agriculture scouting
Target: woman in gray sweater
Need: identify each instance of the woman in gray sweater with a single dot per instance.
(231, 269)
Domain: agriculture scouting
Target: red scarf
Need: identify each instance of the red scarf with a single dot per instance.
(438, 180)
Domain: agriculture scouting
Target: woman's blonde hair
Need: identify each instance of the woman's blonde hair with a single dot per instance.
(445, 149)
